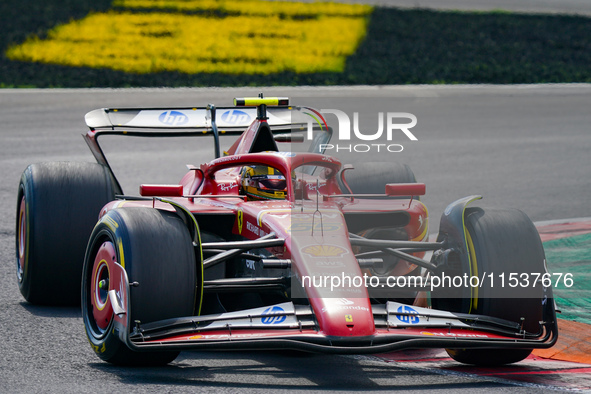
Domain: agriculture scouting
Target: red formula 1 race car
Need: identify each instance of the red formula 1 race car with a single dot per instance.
(268, 249)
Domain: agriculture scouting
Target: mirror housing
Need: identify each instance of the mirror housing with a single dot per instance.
(161, 190)
(405, 189)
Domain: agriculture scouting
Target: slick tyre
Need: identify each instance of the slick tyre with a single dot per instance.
(157, 252)
(372, 177)
(58, 205)
(503, 241)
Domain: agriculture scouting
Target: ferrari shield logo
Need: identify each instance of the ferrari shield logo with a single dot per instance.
(349, 318)
(239, 220)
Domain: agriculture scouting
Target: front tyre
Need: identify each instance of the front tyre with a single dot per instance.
(157, 252)
(502, 241)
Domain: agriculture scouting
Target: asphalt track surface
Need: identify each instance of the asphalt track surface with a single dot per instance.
(525, 147)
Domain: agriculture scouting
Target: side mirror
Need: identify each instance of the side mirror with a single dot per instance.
(405, 189)
(161, 190)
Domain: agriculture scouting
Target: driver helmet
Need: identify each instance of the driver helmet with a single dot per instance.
(263, 183)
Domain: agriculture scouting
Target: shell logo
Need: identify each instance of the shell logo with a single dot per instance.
(324, 251)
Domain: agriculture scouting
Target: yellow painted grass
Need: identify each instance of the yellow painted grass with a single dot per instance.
(255, 42)
(251, 7)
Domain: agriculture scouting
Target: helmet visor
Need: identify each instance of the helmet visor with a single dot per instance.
(272, 184)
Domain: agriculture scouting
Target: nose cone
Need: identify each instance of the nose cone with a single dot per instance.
(326, 272)
(344, 317)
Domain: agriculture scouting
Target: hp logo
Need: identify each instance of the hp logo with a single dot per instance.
(273, 315)
(408, 318)
(173, 118)
(236, 117)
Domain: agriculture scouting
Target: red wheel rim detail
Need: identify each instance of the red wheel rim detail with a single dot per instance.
(102, 311)
(22, 239)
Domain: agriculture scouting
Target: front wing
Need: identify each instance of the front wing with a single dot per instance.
(290, 326)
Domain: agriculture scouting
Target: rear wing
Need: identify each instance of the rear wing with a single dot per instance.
(229, 120)
(282, 118)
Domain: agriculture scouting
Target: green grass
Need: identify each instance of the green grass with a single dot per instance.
(401, 47)
(572, 255)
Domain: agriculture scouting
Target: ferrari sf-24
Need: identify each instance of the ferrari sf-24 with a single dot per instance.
(269, 248)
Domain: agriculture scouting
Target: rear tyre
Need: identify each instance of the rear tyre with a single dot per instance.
(372, 177)
(501, 241)
(157, 252)
(58, 205)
